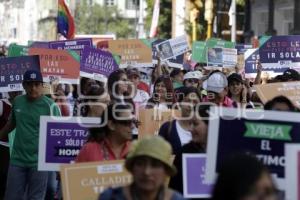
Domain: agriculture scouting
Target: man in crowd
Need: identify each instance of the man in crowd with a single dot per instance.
(25, 118)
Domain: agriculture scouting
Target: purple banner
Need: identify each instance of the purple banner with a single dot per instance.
(96, 61)
(64, 141)
(38, 44)
(194, 172)
(76, 45)
(12, 70)
(280, 52)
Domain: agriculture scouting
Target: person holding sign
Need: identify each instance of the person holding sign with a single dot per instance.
(112, 140)
(25, 118)
(149, 161)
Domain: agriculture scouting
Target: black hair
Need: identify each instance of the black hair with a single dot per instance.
(237, 177)
(111, 113)
(203, 112)
(280, 99)
(94, 91)
(182, 92)
(113, 78)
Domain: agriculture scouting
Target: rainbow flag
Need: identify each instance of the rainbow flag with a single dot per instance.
(65, 21)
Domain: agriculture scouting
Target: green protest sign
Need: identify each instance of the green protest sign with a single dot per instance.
(268, 131)
(198, 49)
(15, 50)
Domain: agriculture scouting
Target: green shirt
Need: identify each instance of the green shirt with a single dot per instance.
(26, 115)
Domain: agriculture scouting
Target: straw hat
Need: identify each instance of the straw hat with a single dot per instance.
(155, 147)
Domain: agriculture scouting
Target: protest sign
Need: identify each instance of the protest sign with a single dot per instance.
(292, 161)
(38, 44)
(263, 133)
(176, 61)
(136, 53)
(76, 45)
(61, 139)
(88, 180)
(221, 57)
(15, 50)
(198, 49)
(62, 65)
(12, 70)
(152, 119)
(242, 48)
(173, 47)
(290, 90)
(193, 172)
(251, 55)
(278, 53)
(97, 64)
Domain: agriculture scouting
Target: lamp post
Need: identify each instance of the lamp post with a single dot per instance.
(209, 15)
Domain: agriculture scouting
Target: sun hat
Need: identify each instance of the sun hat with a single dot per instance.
(193, 75)
(154, 147)
(216, 82)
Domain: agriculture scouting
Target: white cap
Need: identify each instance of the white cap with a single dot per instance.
(193, 75)
(216, 82)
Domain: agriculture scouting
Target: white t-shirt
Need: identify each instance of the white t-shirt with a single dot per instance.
(141, 98)
(184, 135)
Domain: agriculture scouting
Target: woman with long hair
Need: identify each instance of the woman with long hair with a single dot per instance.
(112, 139)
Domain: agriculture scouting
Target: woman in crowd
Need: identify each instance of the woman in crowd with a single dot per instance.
(280, 103)
(177, 132)
(149, 161)
(243, 177)
(238, 91)
(111, 141)
(163, 95)
(198, 143)
(97, 102)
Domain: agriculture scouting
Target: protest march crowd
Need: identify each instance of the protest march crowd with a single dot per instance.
(156, 119)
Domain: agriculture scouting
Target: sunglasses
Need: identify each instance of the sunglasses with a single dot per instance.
(192, 80)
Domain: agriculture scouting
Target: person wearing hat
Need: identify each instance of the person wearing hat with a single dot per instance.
(193, 79)
(140, 97)
(238, 91)
(150, 163)
(217, 88)
(25, 119)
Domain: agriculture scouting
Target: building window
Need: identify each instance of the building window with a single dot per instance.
(110, 2)
(131, 4)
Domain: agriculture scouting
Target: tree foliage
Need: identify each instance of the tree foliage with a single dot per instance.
(97, 19)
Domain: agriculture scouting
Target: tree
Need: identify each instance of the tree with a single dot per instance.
(97, 19)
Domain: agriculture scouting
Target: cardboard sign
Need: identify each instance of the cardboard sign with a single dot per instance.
(278, 53)
(152, 119)
(61, 139)
(268, 91)
(193, 166)
(198, 49)
(97, 64)
(12, 70)
(88, 180)
(221, 57)
(59, 65)
(263, 133)
(173, 47)
(292, 171)
(176, 61)
(133, 52)
(75, 45)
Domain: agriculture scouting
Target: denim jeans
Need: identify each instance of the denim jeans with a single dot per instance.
(25, 179)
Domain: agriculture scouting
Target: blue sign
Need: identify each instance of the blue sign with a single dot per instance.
(262, 133)
(12, 70)
(279, 53)
(193, 176)
(242, 48)
(250, 56)
(76, 45)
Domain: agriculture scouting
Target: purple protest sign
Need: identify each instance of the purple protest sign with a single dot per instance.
(61, 140)
(39, 44)
(76, 45)
(280, 52)
(193, 176)
(97, 64)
